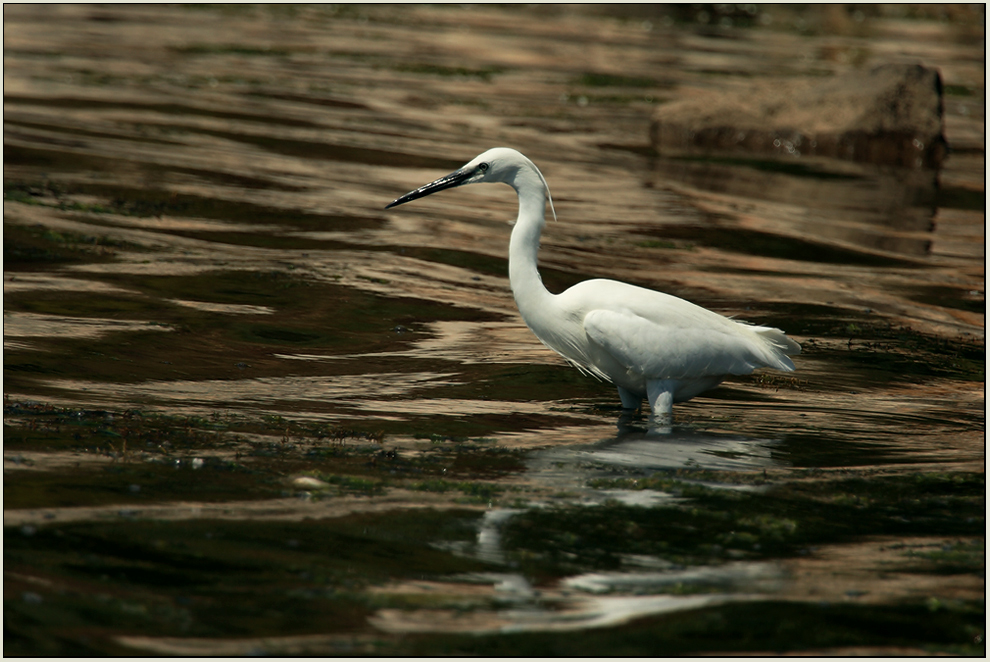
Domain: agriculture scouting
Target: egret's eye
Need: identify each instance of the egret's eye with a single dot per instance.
(483, 167)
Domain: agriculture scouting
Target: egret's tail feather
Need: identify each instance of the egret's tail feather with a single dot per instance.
(779, 340)
(780, 347)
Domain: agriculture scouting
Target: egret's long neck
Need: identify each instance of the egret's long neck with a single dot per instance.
(527, 287)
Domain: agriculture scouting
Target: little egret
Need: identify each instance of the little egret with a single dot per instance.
(648, 344)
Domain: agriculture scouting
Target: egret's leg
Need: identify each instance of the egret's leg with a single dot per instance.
(629, 399)
(660, 393)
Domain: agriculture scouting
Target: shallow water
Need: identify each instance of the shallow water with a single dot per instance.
(249, 411)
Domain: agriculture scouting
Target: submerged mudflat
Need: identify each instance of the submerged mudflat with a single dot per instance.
(249, 411)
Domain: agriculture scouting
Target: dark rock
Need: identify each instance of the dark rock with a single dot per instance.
(889, 115)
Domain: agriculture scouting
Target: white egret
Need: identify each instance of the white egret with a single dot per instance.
(648, 344)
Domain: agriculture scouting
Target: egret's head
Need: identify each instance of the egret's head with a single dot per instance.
(497, 165)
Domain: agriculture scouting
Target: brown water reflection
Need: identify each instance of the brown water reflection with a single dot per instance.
(194, 228)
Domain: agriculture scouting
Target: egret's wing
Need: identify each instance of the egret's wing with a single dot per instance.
(679, 350)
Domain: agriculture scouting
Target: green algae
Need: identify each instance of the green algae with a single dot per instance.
(144, 458)
(486, 74)
(168, 578)
(714, 525)
(216, 578)
(37, 246)
(959, 557)
(762, 628)
(210, 480)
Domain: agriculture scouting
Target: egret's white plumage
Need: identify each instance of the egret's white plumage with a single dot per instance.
(649, 344)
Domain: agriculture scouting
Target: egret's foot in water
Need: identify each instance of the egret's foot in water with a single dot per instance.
(660, 424)
(660, 393)
(630, 422)
(626, 422)
(629, 399)
(659, 430)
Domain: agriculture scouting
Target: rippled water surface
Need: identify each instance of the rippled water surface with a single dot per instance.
(249, 411)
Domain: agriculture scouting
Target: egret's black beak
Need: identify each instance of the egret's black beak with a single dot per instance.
(455, 178)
